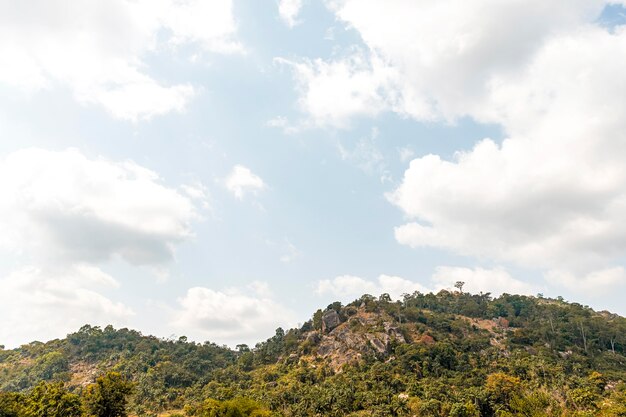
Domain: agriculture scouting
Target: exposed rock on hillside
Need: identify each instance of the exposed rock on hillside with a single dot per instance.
(330, 320)
(363, 335)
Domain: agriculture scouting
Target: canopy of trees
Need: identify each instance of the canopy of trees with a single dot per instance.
(446, 354)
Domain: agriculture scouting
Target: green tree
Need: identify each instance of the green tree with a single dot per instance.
(238, 407)
(501, 388)
(108, 396)
(317, 320)
(52, 400)
(51, 365)
(466, 409)
(11, 404)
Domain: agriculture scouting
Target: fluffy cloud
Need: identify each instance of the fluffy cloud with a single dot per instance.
(97, 48)
(62, 215)
(242, 181)
(64, 206)
(597, 283)
(495, 281)
(232, 315)
(552, 194)
(331, 93)
(289, 11)
(45, 303)
(350, 287)
(419, 66)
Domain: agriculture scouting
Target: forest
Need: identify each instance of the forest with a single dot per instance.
(447, 354)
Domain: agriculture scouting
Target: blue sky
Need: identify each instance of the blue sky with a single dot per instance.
(220, 169)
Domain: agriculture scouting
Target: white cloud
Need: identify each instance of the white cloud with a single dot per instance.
(432, 60)
(551, 196)
(350, 287)
(242, 181)
(598, 283)
(281, 122)
(46, 303)
(210, 24)
(64, 207)
(232, 315)
(62, 216)
(97, 49)
(331, 93)
(496, 281)
(289, 11)
(261, 289)
(198, 192)
(140, 98)
(436, 60)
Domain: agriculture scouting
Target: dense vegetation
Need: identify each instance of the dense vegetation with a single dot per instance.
(446, 354)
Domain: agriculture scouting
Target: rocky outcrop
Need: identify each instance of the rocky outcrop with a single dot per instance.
(313, 338)
(330, 320)
(394, 332)
(365, 334)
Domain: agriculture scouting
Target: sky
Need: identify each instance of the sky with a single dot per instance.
(219, 169)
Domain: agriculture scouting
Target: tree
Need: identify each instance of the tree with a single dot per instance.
(11, 404)
(459, 285)
(237, 407)
(52, 400)
(317, 320)
(466, 409)
(51, 365)
(108, 396)
(501, 388)
(242, 348)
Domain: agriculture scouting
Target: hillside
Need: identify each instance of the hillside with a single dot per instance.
(445, 354)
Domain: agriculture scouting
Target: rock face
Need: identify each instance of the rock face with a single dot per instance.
(330, 320)
(313, 338)
(363, 335)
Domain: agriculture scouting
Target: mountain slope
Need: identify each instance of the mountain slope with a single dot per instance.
(430, 354)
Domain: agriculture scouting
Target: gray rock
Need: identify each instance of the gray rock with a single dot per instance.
(313, 338)
(380, 346)
(330, 320)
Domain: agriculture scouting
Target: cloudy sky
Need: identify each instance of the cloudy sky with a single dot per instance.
(220, 168)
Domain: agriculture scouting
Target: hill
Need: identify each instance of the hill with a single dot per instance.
(445, 354)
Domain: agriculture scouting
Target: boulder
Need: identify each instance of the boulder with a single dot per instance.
(313, 338)
(330, 320)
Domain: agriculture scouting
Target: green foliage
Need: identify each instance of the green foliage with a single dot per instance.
(108, 396)
(52, 365)
(445, 354)
(317, 320)
(502, 387)
(466, 409)
(11, 404)
(237, 407)
(534, 404)
(52, 400)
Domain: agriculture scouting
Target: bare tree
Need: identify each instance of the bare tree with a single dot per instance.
(613, 344)
(582, 331)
